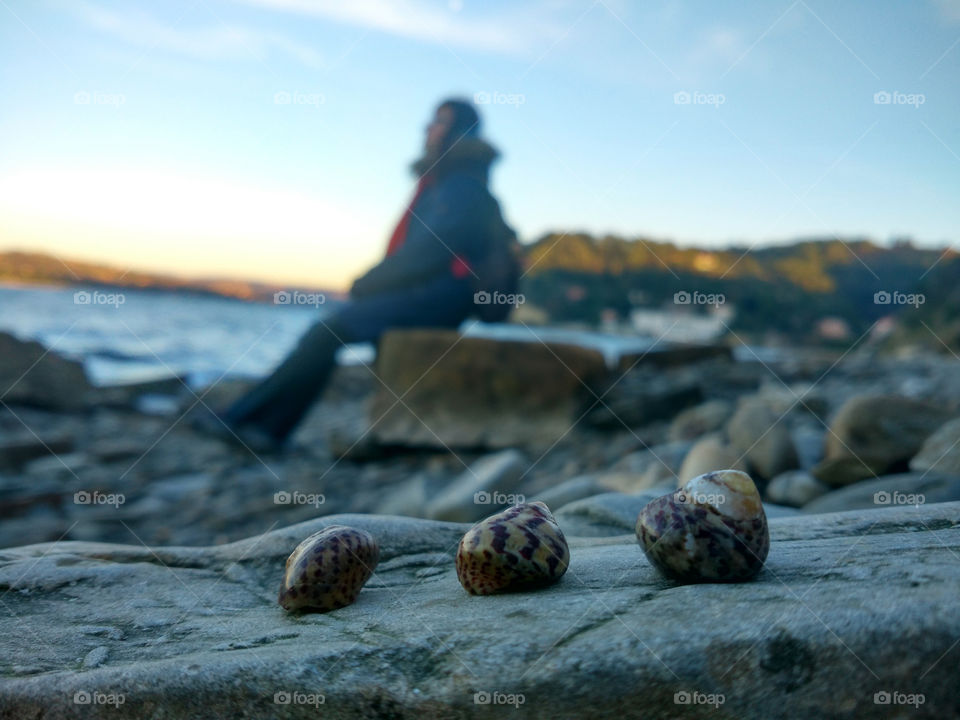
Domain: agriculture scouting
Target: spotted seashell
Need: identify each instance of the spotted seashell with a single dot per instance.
(712, 529)
(327, 570)
(517, 549)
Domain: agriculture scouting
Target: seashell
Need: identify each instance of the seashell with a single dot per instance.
(712, 529)
(327, 570)
(517, 549)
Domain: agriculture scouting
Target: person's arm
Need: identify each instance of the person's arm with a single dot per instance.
(432, 241)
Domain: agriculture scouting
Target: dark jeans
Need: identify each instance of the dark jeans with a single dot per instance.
(281, 400)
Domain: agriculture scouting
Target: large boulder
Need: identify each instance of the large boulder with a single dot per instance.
(875, 435)
(442, 389)
(851, 607)
(31, 374)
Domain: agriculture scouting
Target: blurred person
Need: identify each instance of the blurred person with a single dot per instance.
(450, 243)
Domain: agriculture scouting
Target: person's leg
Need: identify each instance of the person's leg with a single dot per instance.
(280, 401)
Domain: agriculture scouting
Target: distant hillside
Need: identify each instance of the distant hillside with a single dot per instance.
(42, 269)
(786, 289)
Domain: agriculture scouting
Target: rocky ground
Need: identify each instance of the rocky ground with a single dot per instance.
(449, 432)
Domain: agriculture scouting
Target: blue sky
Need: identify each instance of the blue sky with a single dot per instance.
(156, 136)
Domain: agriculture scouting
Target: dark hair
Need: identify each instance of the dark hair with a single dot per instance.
(466, 121)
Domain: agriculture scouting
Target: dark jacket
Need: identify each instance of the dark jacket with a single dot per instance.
(453, 217)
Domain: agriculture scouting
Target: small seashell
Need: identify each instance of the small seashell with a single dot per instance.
(712, 529)
(327, 570)
(517, 549)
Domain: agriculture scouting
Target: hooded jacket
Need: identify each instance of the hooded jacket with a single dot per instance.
(447, 227)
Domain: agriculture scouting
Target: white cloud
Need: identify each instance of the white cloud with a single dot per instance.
(512, 32)
(210, 42)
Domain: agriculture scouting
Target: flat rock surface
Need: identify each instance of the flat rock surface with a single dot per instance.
(849, 605)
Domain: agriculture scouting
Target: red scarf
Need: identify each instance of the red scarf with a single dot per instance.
(458, 267)
(399, 235)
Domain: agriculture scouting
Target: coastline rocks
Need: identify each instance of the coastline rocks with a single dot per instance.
(30, 374)
(196, 630)
(642, 396)
(762, 437)
(940, 451)
(701, 419)
(874, 435)
(656, 464)
(489, 483)
(709, 453)
(906, 490)
(795, 488)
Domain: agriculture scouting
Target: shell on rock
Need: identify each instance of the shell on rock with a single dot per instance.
(327, 570)
(517, 549)
(712, 529)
